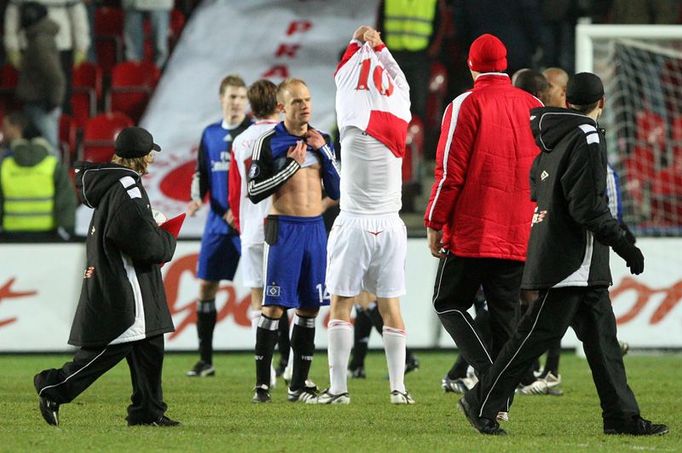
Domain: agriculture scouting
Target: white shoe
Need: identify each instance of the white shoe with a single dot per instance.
(401, 398)
(327, 397)
(538, 387)
(502, 416)
(551, 380)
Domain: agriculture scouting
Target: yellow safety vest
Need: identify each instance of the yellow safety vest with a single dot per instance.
(28, 195)
(408, 24)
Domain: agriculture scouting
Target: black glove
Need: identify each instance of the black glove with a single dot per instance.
(628, 234)
(631, 254)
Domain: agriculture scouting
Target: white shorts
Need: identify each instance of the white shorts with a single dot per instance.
(252, 265)
(367, 253)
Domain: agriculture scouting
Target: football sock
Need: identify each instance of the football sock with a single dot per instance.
(394, 345)
(283, 343)
(303, 345)
(206, 319)
(340, 342)
(266, 337)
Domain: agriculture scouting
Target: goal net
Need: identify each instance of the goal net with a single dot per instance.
(641, 66)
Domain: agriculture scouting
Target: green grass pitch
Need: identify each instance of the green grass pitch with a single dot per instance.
(217, 415)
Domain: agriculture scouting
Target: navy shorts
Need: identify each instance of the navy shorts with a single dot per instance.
(219, 257)
(295, 259)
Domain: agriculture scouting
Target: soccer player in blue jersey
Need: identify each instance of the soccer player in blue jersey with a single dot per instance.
(220, 245)
(292, 162)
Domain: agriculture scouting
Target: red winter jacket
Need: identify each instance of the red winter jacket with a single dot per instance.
(481, 196)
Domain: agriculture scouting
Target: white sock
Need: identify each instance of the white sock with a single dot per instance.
(394, 345)
(340, 343)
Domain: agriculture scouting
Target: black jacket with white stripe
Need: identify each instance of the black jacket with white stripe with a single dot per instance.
(572, 227)
(122, 297)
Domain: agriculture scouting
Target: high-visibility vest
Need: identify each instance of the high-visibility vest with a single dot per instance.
(408, 24)
(28, 195)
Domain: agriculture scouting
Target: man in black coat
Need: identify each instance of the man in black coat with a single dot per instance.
(568, 263)
(122, 311)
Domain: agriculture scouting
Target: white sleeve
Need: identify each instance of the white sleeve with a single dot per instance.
(391, 66)
(12, 27)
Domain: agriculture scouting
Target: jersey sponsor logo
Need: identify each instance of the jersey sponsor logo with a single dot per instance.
(544, 175)
(272, 291)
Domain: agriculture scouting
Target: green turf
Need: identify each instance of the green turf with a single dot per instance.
(217, 414)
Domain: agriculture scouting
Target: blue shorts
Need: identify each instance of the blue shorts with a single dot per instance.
(219, 257)
(296, 262)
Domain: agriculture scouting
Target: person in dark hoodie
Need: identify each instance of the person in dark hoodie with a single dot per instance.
(41, 84)
(568, 263)
(37, 200)
(122, 311)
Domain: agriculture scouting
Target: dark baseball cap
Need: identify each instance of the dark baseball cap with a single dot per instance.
(584, 88)
(135, 142)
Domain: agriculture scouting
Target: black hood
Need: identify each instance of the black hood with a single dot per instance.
(93, 181)
(551, 124)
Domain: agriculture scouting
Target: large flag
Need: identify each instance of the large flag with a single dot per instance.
(256, 39)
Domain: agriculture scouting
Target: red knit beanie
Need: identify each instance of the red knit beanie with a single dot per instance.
(487, 54)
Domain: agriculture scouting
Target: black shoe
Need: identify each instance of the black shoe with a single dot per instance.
(162, 421)
(639, 427)
(49, 410)
(411, 364)
(357, 373)
(482, 425)
(261, 394)
(201, 369)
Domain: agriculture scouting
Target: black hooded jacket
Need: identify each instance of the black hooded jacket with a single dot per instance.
(122, 298)
(572, 227)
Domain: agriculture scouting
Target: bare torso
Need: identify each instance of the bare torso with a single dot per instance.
(301, 196)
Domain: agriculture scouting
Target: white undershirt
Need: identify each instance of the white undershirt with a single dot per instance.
(371, 176)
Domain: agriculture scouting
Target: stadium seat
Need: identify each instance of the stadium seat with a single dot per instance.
(177, 23)
(87, 91)
(100, 133)
(650, 129)
(666, 196)
(132, 84)
(8, 84)
(109, 37)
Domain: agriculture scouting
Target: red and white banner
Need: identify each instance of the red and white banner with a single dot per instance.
(272, 39)
(40, 285)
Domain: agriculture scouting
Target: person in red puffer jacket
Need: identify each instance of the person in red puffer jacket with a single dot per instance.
(479, 213)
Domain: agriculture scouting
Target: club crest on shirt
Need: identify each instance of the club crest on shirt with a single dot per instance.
(254, 171)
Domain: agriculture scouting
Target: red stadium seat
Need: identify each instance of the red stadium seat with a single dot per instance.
(109, 21)
(8, 85)
(132, 84)
(666, 196)
(650, 129)
(100, 134)
(177, 23)
(87, 91)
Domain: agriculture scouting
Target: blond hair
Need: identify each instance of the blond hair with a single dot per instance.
(137, 164)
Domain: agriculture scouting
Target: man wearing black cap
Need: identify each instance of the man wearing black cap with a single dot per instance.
(122, 311)
(568, 263)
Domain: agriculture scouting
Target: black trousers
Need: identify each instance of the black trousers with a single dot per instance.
(145, 360)
(588, 310)
(457, 281)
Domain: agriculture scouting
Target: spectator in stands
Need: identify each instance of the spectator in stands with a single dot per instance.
(645, 12)
(13, 127)
(37, 200)
(413, 31)
(133, 33)
(41, 83)
(517, 23)
(73, 37)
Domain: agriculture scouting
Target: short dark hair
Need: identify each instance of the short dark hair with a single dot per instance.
(262, 96)
(232, 80)
(587, 108)
(532, 82)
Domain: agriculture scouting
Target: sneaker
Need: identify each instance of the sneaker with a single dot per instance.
(261, 394)
(49, 410)
(201, 369)
(538, 387)
(162, 421)
(639, 427)
(306, 395)
(502, 416)
(357, 373)
(398, 397)
(482, 425)
(326, 397)
(551, 380)
(453, 385)
(411, 364)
